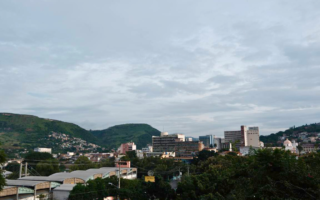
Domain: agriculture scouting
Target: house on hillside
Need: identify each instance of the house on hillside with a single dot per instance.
(308, 148)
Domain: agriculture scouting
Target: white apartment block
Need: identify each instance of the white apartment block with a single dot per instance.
(252, 137)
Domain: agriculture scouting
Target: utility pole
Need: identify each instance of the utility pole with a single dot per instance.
(26, 169)
(20, 171)
(119, 164)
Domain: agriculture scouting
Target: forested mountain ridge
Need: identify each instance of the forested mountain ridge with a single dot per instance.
(141, 134)
(27, 131)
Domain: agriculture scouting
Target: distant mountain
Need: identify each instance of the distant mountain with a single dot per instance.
(29, 131)
(141, 134)
(273, 138)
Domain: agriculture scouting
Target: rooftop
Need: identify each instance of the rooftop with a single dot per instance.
(26, 183)
(65, 187)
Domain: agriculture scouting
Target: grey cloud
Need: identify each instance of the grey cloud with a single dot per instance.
(188, 66)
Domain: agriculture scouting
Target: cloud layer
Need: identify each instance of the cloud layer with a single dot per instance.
(181, 66)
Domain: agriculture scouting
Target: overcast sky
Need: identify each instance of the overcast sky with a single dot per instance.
(193, 67)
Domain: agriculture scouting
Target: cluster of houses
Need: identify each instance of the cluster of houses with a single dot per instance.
(309, 142)
(93, 157)
(67, 141)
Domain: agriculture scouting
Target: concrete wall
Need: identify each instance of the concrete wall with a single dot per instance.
(60, 195)
(21, 197)
(253, 137)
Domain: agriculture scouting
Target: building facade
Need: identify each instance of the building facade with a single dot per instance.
(206, 140)
(308, 148)
(166, 142)
(188, 148)
(290, 146)
(149, 148)
(245, 136)
(252, 137)
(130, 146)
(217, 143)
(232, 136)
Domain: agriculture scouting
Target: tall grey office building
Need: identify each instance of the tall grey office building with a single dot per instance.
(206, 140)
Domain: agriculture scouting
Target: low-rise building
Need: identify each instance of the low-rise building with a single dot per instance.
(248, 150)
(308, 148)
(6, 173)
(43, 150)
(187, 149)
(303, 135)
(16, 192)
(290, 146)
(63, 191)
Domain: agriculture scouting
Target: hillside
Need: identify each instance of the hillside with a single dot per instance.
(273, 138)
(27, 131)
(141, 134)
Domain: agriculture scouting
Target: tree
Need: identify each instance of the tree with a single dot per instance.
(299, 147)
(82, 163)
(35, 157)
(43, 163)
(13, 167)
(204, 155)
(109, 162)
(3, 158)
(48, 167)
(234, 144)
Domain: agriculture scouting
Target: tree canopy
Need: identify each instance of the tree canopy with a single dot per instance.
(267, 174)
(3, 158)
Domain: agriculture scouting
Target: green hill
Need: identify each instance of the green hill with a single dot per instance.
(273, 138)
(27, 131)
(140, 134)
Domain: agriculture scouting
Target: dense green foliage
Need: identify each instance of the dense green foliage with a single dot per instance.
(130, 189)
(140, 134)
(273, 138)
(43, 163)
(27, 131)
(48, 167)
(166, 168)
(3, 158)
(83, 163)
(266, 175)
(35, 157)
